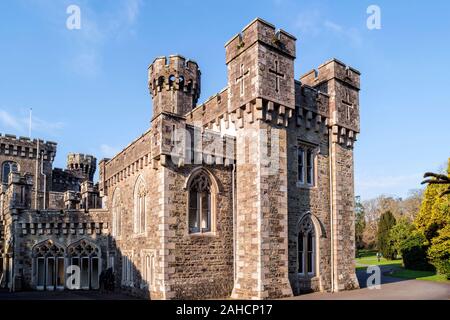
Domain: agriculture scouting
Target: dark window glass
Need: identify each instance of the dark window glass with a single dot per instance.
(310, 252)
(7, 168)
(300, 253)
(301, 169)
(193, 210)
(309, 167)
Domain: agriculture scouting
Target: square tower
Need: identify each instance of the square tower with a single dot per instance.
(261, 99)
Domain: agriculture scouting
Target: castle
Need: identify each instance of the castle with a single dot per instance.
(249, 195)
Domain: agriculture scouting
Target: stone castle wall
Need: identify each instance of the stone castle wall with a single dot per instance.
(250, 132)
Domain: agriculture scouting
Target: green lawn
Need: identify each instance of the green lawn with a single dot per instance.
(420, 275)
(369, 258)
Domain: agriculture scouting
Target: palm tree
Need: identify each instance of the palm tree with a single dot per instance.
(435, 178)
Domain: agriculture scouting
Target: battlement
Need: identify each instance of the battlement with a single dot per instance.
(80, 158)
(260, 31)
(174, 73)
(332, 69)
(11, 145)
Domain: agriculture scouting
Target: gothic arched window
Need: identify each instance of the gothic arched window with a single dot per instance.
(49, 266)
(148, 270)
(200, 203)
(86, 256)
(140, 195)
(7, 168)
(306, 247)
(116, 214)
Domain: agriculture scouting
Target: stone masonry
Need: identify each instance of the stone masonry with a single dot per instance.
(248, 195)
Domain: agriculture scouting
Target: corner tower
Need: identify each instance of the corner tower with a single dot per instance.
(342, 84)
(174, 84)
(261, 99)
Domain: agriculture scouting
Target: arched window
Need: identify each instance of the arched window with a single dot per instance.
(116, 214)
(172, 80)
(181, 82)
(49, 266)
(140, 195)
(200, 203)
(7, 168)
(160, 82)
(306, 247)
(148, 271)
(86, 256)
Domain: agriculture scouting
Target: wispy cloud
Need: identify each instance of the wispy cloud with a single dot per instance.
(389, 181)
(97, 29)
(312, 23)
(308, 23)
(399, 185)
(351, 34)
(19, 124)
(9, 121)
(132, 10)
(108, 151)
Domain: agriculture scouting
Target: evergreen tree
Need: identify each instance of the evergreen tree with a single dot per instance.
(385, 224)
(360, 223)
(400, 234)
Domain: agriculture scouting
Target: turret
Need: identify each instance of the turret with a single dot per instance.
(174, 84)
(83, 166)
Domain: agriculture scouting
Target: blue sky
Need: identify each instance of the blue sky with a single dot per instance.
(88, 87)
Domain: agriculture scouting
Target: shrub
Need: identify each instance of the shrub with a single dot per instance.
(414, 253)
(439, 252)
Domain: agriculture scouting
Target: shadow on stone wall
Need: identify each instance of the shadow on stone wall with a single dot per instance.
(141, 286)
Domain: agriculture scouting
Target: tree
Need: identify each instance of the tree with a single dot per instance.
(434, 213)
(433, 220)
(386, 222)
(411, 205)
(400, 233)
(360, 223)
(438, 179)
(370, 235)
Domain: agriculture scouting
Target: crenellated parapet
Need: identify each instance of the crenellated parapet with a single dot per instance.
(13, 146)
(342, 84)
(263, 32)
(63, 222)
